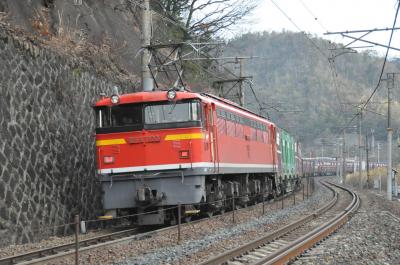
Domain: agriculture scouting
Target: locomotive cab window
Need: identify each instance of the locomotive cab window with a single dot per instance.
(126, 115)
(120, 118)
(172, 115)
(102, 117)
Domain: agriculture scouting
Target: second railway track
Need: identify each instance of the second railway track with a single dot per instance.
(41, 255)
(287, 243)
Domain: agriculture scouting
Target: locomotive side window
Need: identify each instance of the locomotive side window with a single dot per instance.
(102, 117)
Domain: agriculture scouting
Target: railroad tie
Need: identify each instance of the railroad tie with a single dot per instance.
(264, 251)
(275, 245)
(234, 263)
(269, 249)
(281, 242)
(258, 254)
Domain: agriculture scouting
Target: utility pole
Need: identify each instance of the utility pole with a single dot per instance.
(367, 160)
(237, 81)
(147, 79)
(373, 144)
(344, 157)
(338, 160)
(378, 149)
(359, 146)
(241, 90)
(390, 86)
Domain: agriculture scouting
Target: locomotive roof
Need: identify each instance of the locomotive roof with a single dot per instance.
(157, 96)
(235, 107)
(139, 97)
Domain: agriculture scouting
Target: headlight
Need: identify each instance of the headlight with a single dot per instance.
(114, 99)
(171, 94)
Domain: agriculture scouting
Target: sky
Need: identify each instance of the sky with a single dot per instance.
(319, 16)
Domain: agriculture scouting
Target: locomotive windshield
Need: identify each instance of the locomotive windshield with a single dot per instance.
(160, 115)
(119, 118)
(167, 113)
(126, 114)
(172, 114)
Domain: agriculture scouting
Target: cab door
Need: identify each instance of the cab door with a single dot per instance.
(212, 134)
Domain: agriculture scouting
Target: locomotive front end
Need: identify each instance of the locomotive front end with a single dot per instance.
(151, 153)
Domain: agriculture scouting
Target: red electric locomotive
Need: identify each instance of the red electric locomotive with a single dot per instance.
(158, 149)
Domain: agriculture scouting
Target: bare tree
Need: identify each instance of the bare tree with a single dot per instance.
(205, 18)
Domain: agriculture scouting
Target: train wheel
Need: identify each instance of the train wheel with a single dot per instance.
(188, 219)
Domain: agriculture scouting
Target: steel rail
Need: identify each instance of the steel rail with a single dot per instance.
(222, 258)
(307, 241)
(61, 251)
(63, 248)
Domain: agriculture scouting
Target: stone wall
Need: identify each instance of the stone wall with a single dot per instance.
(47, 158)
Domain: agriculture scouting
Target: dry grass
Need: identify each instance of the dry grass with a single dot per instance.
(374, 174)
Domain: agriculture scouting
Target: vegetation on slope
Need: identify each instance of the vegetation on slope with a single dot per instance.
(292, 75)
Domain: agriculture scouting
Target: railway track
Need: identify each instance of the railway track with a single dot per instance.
(61, 251)
(41, 255)
(284, 245)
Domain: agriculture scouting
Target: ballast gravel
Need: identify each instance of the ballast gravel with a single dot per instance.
(201, 240)
(207, 243)
(372, 236)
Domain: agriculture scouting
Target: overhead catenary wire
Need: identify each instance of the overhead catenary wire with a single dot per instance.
(385, 59)
(331, 64)
(299, 29)
(313, 15)
(381, 72)
(178, 24)
(255, 96)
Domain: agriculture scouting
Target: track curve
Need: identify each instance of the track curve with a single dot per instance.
(285, 244)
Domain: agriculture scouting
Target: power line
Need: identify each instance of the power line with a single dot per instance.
(298, 28)
(384, 61)
(312, 14)
(360, 31)
(381, 73)
(331, 67)
(255, 96)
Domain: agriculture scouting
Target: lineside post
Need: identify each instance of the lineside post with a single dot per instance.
(303, 190)
(76, 239)
(263, 203)
(233, 208)
(282, 200)
(312, 187)
(179, 222)
(294, 195)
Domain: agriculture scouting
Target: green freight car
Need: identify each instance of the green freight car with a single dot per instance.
(287, 172)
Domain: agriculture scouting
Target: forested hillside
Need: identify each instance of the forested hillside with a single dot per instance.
(310, 95)
(297, 85)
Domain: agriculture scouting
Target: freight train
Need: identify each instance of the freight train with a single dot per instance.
(329, 166)
(158, 149)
